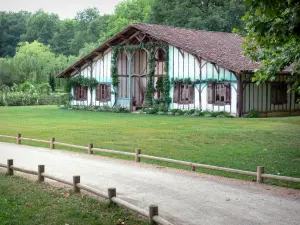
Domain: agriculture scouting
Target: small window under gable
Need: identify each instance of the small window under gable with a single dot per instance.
(103, 92)
(160, 55)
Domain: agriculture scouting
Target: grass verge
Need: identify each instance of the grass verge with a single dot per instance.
(27, 202)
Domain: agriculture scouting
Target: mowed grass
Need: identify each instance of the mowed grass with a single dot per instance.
(28, 203)
(237, 143)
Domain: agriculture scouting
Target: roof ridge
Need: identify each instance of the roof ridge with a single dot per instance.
(186, 28)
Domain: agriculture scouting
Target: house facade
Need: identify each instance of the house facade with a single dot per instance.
(183, 68)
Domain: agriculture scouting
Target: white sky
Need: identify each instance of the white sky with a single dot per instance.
(64, 8)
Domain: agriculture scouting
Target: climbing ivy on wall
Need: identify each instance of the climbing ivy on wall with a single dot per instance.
(150, 77)
(83, 81)
(150, 47)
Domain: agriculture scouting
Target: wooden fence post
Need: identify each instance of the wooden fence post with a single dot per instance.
(10, 171)
(193, 168)
(52, 145)
(260, 171)
(111, 193)
(41, 169)
(137, 157)
(76, 180)
(90, 147)
(153, 211)
(19, 139)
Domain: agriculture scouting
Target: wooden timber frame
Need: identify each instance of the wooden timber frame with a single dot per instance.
(133, 67)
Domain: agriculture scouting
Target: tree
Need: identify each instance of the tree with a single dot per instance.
(127, 12)
(273, 38)
(61, 42)
(41, 27)
(213, 15)
(34, 62)
(8, 72)
(52, 82)
(12, 26)
(89, 26)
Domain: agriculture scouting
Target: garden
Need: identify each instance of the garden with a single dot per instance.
(31, 94)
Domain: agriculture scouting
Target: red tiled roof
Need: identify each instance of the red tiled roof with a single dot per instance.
(224, 49)
(221, 48)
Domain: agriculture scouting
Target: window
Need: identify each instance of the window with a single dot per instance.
(183, 94)
(279, 93)
(219, 93)
(80, 93)
(160, 55)
(103, 92)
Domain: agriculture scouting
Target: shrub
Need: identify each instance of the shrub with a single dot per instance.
(27, 87)
(44, 88)
(253, 114)
(23, 99)
(117, 109)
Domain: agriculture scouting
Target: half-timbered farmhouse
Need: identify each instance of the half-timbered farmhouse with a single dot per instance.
(187, 69)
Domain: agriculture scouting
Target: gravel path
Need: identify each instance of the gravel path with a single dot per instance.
(183, 197)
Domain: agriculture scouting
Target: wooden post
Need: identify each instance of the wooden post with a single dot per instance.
(19, 139)
(91, 146)
(52, 145)
(76, 180)
(137, 152)
(10, 171)
(153, 211)
(111, 193)
(41, 169)
(260, 171)
(193, 168)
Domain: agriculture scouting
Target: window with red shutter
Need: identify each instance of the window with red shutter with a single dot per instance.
(210, 93)
(80, 93)
(219, 93)
(184, 94)
(103, 92)
(228, 93)
(175, 93)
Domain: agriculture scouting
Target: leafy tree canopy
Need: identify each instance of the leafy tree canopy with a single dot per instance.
(273, 38)
(213, 15)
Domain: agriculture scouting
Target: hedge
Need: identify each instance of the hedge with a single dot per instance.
(24, 99)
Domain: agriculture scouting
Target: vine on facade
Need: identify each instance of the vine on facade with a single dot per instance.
(83, 81)
(197, 81)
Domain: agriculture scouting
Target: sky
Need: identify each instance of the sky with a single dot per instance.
(64, 8)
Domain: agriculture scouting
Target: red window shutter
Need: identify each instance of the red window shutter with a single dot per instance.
(85, 91)
(108, 92)
(210, 93)
(227, 93)
(76, 92)
(191, 89)
(97, 92)
(175, 93)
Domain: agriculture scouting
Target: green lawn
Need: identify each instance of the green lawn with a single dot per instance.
(229, 142)
(28, 203)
